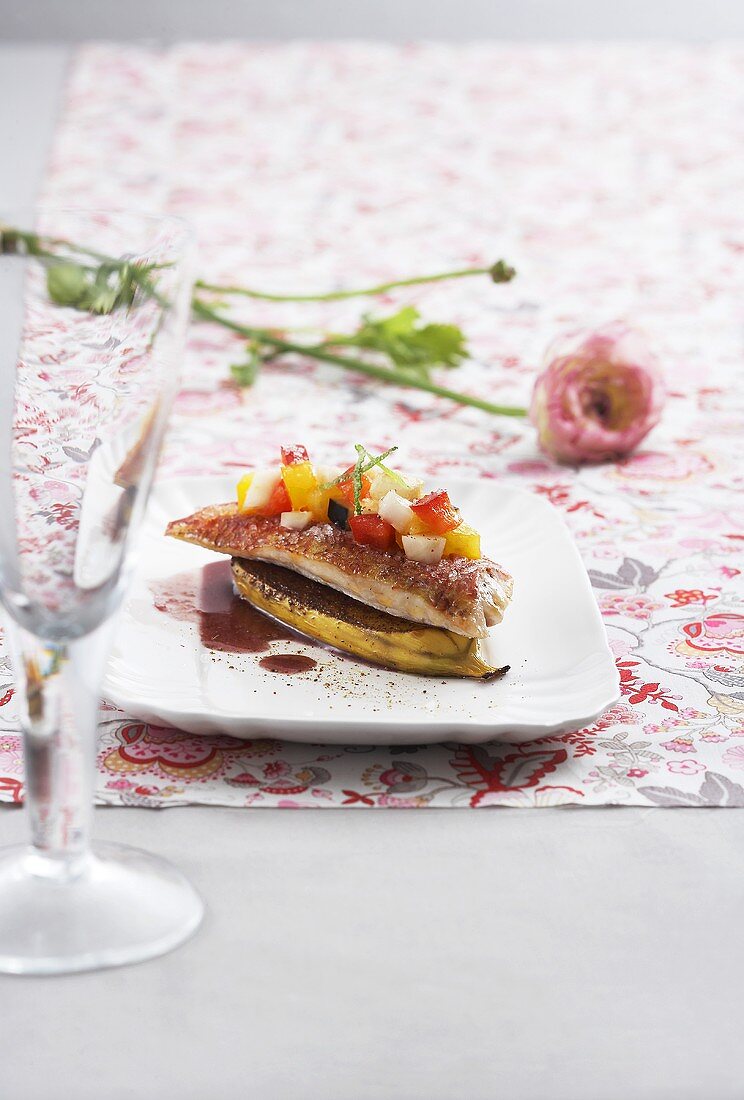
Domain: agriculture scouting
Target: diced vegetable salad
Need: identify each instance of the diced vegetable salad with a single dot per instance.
(379, 506)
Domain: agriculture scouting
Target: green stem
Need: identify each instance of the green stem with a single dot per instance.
(37, 246)
(500, 272)
(384, 374)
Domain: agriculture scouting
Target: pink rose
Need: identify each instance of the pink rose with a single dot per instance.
(600, 394)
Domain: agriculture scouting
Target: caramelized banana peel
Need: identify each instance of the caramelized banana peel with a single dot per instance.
(339, 621)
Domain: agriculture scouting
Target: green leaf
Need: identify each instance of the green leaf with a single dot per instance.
(102, 290)
(114, 286)
(444, 344)
(101, 301)
(245, 374)
(67, 284)
(408, 343)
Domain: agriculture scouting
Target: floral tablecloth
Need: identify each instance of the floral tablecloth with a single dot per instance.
(612, 177)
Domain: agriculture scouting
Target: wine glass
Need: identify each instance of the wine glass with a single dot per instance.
(93, 314)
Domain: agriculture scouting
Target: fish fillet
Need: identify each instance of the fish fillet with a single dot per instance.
(456, 594)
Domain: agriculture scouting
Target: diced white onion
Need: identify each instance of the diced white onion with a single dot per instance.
(381, 483)
(260, 489)
(397, 511)
(427, 549)
(414, 489)
(295, 521)
(368, 506)
(325, 474)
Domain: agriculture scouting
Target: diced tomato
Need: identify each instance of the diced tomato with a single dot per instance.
(346, 488)
(277, 503)
(372, 531)
(293, 454)
(437, 512)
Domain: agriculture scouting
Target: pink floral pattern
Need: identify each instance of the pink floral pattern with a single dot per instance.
(84, 387)
(314, 165)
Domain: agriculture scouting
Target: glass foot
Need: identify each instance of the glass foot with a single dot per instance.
(118, 905)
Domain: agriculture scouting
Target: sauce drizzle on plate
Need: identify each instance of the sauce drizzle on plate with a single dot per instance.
(288, 663)
(226, 623)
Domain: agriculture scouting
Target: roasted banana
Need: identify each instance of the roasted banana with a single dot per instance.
(339, 621)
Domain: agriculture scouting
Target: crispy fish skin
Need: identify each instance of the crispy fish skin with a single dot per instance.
(456, 594)
(337, 620)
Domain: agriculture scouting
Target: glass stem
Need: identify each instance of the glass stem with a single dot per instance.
(58, 689)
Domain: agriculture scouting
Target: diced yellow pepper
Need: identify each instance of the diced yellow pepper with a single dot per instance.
(463, 542)
(418, 527)
(318, 504)
(243, 486)
(336, 493)
(301, 483)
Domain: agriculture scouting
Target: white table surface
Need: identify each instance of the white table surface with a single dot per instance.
(403, 955)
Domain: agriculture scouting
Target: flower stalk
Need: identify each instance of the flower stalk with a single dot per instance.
(371, 370)
(500, 272)
(410, 347)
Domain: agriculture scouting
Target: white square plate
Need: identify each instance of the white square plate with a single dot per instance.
(562, 673)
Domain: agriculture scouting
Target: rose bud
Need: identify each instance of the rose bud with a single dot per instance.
(599, 395)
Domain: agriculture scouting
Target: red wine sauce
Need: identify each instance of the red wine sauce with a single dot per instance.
(226, 623)
(288, 663)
